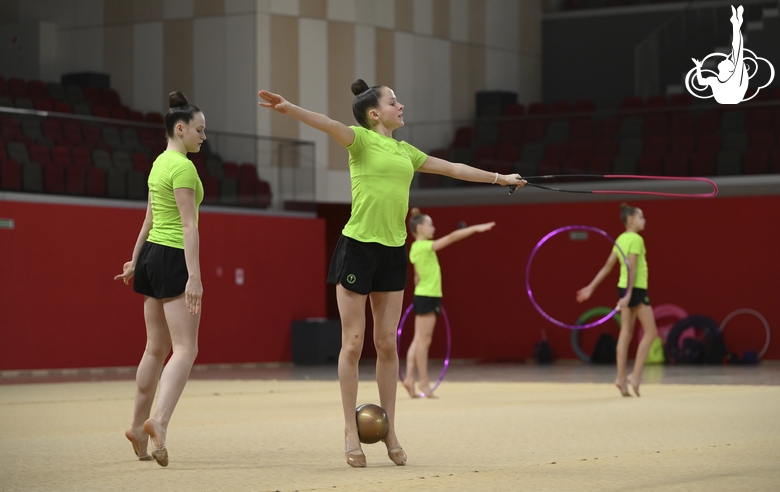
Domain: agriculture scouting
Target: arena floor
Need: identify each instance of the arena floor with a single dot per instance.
(492, 427)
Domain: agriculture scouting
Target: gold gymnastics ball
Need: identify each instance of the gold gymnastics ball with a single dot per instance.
(372, 423)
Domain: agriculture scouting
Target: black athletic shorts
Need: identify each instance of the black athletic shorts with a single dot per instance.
(425, 305)
(637, 296)
(160, 272)
(368, 267)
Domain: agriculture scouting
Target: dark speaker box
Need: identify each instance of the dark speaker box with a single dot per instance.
(316, 342)
(491, 102)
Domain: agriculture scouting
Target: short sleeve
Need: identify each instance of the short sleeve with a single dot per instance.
(360, 139)
(636, 246)
(184, 176)
(417, 156)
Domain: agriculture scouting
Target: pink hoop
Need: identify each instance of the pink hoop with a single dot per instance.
(449, 344)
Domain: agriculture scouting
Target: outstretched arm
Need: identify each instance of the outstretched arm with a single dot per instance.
(434, 165)
(456, 236)
(585, 293)
(340, 132)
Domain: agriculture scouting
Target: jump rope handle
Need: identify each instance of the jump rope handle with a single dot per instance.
(512, 189)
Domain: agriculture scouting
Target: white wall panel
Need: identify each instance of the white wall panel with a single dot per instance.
(240, 90)
(178, 9)
(81, 50)
(262, 70)
(209, 70)
(422, 16)
(239, 6)
(148, 57)
(313, 69)
(365, 54)
(501, 71)
(285, 7)
(459, 20)
(384, 13)
(342, 10)
(503, 20)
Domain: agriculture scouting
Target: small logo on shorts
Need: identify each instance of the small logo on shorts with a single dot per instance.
(351, 278)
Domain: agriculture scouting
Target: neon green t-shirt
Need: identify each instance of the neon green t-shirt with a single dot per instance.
(425, 261)
(632, 243)
(171, 170)
(381, 171)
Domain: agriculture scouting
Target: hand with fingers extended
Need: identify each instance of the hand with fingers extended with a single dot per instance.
(193, 294)
(584, 294)
(273, 101)
(484, 227)
(128, 270)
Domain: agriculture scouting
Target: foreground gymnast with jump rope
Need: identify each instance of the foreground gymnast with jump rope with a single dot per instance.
(370, 257)
(427, 293)
(632, 290)
(165, 268)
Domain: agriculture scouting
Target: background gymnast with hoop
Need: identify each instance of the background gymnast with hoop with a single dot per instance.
(632, 291)
(427, 293)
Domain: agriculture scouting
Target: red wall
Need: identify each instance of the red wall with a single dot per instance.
(61, 308)
(710, 257)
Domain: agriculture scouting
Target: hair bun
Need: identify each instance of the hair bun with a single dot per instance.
(359, 86)
(624, 206)
(176, 98)
(414, 212)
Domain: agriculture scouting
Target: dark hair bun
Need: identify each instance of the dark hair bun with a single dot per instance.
(176, 99)
(625, 206)
(359, 86)
(414, 212)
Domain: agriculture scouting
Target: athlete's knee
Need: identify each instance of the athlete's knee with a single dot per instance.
(385, 345)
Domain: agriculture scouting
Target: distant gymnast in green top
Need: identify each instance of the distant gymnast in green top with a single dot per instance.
(427, 293)
(370, 258)
(634, 301)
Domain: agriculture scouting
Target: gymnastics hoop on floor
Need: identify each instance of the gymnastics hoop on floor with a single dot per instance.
(664, 311)
(528, 275)
(710, 182)
(575, 334)
(757, 315)
(449, 344)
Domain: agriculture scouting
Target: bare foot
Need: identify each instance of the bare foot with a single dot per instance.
(353, 452)
(621, 385)
(394, 450)
(426, 392)
(157, 433)
(409, 385)
(139, 444)
(634, 384)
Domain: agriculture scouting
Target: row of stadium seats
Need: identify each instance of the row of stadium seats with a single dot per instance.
(62, 155)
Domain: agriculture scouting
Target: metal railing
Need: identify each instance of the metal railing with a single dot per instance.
(287, 165)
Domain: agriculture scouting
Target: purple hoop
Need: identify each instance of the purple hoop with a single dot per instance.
(449, 344)
(528, 275)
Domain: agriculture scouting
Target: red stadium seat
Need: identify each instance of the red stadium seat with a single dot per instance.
(101, 111)
(17, 87)
(656, 145)
(762, 140)
(43, 105)
(10, 175)
(557, 151)
(607, 128)
(76, 180)
(756, 161)
(582, 129)
(632, 102)
(119, 113)
(92, 95)
(656, 102)
(111, 98)
(584, 106)
(708, 142)
(676, 164)
(560, 107)
(60, 154)
(598, 164)
(682, 123)
(142, 163)
(703, 163)
(510, 132)
(263, 194)
(650, 165)
(63, 107)
(607, 148)
(54, 178)
(96, 181)
(52, 130)
(707, 122)
(81, 156)
(680, 100)
(40, 154)
(464, 137)
(514, 111)
(656, 125)
(232, 170)
(153, 117)
(37, 90)
(537, 108)
(684, 144)
(210, 189)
